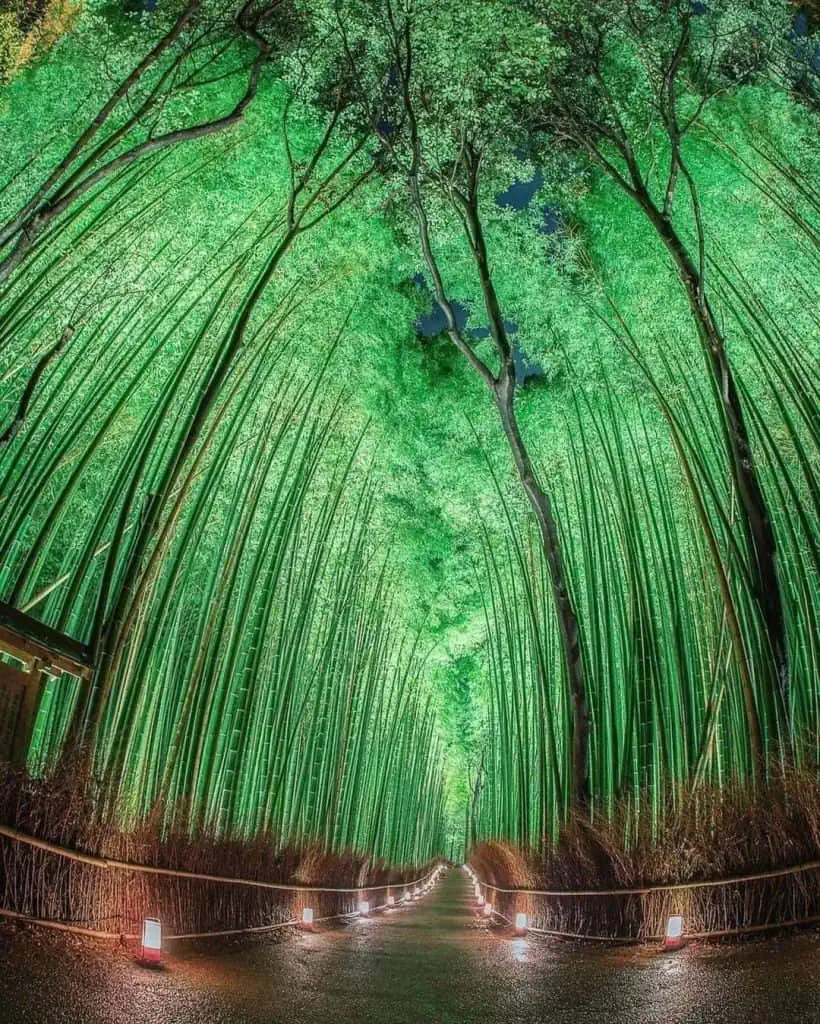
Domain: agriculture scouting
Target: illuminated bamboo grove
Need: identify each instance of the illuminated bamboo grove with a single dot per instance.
(250, 674)
(263, 682)
(668, 709)
(345, 581)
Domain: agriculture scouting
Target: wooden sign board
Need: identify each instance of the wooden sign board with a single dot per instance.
(19, 698)
(40, 651)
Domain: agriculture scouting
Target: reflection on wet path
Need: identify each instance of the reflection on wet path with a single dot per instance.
(432, 962)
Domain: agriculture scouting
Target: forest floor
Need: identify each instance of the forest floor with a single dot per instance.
(431, 962)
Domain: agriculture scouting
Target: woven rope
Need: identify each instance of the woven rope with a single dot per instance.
(619, 940)
(812, 865)
(119, 865)
(90, 933)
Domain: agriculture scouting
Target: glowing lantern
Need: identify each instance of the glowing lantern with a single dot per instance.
(151, 940)
(488, 909)
(416, 893)
(674, 933)
(520, 924)
(364, 908)
(480, 900)
(391, 900)
(307, 918)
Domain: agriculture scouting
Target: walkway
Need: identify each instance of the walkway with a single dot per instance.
(433, 962)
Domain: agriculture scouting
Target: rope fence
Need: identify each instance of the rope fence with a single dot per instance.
(812, 865)
(121, 865)
(225, 932)
(176, 892)
(716, 908)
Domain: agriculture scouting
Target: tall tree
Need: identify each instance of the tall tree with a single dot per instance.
(147, 112)
(626, 76)
(318, 186)
(450, 108)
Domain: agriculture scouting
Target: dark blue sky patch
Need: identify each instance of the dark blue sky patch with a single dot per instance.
(519, 195)
(431, 324)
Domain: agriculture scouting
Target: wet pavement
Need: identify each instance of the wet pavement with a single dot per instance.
(431, 962)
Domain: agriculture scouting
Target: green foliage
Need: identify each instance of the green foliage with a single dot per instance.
(28, 31)
(343, 625)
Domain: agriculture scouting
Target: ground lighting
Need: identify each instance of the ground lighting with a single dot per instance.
(151, 950)
(673, 939)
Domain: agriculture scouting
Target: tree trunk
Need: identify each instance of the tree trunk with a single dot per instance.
(503, 388)
(567, 619)
(755, 516)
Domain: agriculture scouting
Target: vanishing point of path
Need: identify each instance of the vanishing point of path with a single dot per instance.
(432, 962)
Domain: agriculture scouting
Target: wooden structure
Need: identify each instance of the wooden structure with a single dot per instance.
(40, 651)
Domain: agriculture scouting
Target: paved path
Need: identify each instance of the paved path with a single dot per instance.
(433, 962)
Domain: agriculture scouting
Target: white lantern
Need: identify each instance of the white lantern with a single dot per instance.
(488, 909)
(674, 933)
(307, 918)
(364, 908)
(391, 900)
(520, 924)
(151, 940)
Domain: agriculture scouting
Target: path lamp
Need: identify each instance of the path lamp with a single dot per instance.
(364, 907)
(480, 900)
(391, 900)
(416, 893)
(673, 939)
(520, 924)
(151, 949)
(488, 909)
(307, 919)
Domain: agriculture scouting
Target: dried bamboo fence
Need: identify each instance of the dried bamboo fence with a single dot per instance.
(719, 908)
(102, 897)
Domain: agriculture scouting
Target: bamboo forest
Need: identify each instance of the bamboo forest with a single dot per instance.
(410, 455)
